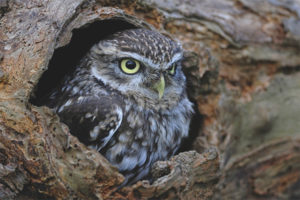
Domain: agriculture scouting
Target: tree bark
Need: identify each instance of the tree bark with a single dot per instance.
(243, 69)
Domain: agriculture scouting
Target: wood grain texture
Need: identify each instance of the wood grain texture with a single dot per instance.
(242, 64)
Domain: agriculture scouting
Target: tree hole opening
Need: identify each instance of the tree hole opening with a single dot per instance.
(65, 59)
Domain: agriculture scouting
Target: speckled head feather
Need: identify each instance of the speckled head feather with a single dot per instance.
(121, 115)
(155, 52)
(151, 45)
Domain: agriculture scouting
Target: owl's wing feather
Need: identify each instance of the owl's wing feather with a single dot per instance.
(93, 120)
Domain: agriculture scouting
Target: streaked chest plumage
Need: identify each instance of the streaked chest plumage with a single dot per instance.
(127, 99)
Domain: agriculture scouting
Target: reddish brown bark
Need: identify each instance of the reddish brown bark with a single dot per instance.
(242, 64)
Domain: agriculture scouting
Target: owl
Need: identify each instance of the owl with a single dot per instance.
(127, 100)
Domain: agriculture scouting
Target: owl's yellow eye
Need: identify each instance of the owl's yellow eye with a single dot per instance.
(172, 69)
(129, 66)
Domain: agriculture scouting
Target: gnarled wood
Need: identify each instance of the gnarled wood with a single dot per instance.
(242, 64)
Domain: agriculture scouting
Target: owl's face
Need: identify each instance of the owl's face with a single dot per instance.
(141, 64)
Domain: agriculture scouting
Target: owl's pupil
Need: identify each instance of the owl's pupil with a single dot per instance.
(130, 64)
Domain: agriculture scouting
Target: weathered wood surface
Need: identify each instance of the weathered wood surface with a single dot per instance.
(242, 63)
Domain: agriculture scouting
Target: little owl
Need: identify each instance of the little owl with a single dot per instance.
(127, 99)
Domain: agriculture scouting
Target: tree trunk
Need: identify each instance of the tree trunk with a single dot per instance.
(243, 69)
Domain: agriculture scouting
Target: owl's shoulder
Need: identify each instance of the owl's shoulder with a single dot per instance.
(93, 119)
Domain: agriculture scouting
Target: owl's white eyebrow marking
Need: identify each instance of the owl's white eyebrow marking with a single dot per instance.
(139, 58)
(175, 58)
(148, 61)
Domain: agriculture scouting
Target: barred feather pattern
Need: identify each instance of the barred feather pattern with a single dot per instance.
(115, 113)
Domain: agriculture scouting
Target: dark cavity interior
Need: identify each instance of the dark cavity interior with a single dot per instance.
(65, 59)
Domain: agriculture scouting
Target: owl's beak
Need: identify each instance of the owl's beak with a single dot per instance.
(160, 86)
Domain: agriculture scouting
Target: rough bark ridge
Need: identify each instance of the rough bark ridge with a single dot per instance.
(242, 63)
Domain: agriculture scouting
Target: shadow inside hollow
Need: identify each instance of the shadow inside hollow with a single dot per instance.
(65, 59)
(195, 128)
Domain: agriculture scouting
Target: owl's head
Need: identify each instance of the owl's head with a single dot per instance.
(142, 64)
